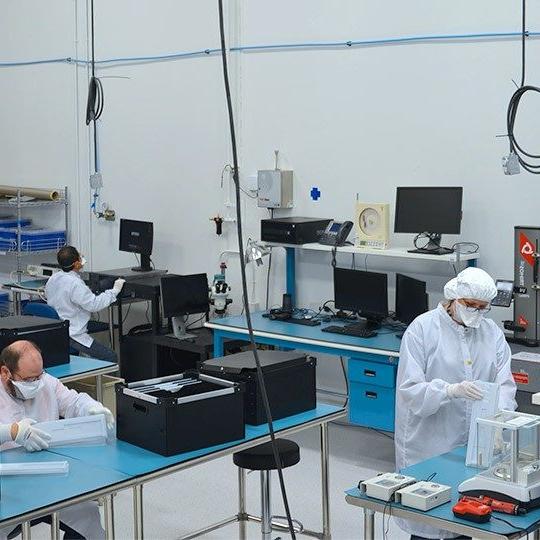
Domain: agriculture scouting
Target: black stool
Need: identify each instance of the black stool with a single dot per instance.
(261, 458)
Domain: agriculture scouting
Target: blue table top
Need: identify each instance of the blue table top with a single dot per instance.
(78, 365)
(385, 340)
(451, 470)
(135, 461)
(22, 494)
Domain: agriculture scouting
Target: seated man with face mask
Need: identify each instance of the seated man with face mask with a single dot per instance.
(29, 395)
(443, 353)
(73, 300)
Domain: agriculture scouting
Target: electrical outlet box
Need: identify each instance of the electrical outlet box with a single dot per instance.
(275, 189)
(96, 180)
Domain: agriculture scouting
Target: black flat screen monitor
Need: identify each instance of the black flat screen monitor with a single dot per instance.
(431, 210)
(365, 293)
(137, 237)
(411, 298)
(184, 295)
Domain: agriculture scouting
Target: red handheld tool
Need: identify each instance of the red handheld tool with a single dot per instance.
(500, 506)
(472, 509)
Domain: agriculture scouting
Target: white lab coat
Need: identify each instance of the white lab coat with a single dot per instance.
(54, 400)
(73, 300)
(437, 351)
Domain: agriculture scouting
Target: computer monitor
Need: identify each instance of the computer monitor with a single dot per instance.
(431, 210)
(411, 298)
(181, 296)
(137, 237)
(365, 293)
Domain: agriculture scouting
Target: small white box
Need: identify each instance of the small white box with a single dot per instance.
(424, 495)
(385, 485)
(275, 189)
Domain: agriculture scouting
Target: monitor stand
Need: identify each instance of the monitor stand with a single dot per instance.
(368, 324)
(179, 329)
(433, 247)
(145, 264)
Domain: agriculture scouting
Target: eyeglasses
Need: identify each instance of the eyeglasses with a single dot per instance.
(29, 379)
(473, 309)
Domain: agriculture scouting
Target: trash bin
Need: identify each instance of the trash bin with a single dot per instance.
(88, 385)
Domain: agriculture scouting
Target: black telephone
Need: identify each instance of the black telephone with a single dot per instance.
(336, 233)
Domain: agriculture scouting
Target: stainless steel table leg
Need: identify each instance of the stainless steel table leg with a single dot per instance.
(108, 511)
(138, 521)
(325, 456)
(26, 534)
(111, 327)
(242, 517)
(369, 524)
(55, 526)
(99, 388)
(536, 534)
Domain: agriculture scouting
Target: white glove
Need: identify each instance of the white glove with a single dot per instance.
(466, 390)
(100, 409)
(32, 438)
(118, 284)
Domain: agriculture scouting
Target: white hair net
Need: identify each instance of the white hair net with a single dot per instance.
(471, 283)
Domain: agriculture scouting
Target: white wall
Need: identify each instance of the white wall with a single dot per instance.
(347, 120)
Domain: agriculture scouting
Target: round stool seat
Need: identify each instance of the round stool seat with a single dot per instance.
(261, 458)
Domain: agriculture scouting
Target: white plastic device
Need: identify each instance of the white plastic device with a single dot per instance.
(275, 189)
(372, 225)
(83, 430)
(385, 485)
(37, 270)
(424, 495)
(37, 467)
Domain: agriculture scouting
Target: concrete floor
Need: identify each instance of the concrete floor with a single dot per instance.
(191, 499)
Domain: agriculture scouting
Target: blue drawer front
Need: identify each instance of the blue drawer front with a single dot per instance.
(372, 406)
(372, 373)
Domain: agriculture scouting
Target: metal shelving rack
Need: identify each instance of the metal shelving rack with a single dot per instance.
(19, 204)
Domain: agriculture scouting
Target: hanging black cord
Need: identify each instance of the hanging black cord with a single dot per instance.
(260, 376)
(513, 105)
(95, 102)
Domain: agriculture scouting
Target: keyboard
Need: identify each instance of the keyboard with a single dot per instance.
(351, 330)
(303, 322)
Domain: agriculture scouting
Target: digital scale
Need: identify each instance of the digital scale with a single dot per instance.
(424, 495)
(385, 485)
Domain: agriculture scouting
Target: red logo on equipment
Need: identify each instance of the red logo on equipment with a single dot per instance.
(521, 378)
(522, 321)
(526, 249)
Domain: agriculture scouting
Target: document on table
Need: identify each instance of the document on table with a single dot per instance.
(84, 430)
(483, 408)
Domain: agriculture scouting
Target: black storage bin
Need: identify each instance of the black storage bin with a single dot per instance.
(50, 335)
(290, 380)
(205, 411)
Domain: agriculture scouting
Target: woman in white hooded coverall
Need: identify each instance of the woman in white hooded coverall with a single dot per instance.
(442, 353)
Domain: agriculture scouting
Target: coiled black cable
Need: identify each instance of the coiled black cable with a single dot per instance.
(523, 156)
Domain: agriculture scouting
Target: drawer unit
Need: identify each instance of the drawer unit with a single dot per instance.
(372, 373)
(372, 406)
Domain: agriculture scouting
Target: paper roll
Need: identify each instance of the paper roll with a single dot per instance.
(36, 193)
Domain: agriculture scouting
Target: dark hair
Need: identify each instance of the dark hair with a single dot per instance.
(67, 257)
(10, 356)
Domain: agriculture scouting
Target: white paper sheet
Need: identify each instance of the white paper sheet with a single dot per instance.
(529, 356)
(37, 467)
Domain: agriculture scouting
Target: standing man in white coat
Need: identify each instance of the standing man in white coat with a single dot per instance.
(29, 395)
(73, 300)
(442, 353)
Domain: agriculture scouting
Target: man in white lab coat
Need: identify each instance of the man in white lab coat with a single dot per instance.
(29, 395)
(442, 353)
(73, 300)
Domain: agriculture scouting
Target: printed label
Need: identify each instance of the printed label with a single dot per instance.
(526, 249)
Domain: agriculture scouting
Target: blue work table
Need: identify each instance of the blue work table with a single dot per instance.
(128, 466)
(80, 367)
(22, 496)
(372, 361)
(450, 469)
